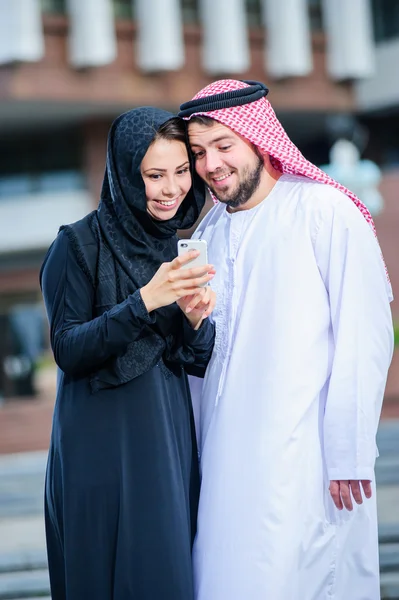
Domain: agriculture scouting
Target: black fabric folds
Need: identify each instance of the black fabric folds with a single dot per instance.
(131, 245)
(253, 92)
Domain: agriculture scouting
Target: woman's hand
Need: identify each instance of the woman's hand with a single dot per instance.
(199, 306)
(171, 282)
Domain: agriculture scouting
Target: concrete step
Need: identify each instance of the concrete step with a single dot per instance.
(387, 469)
(389, 557)
(26, 584)
(388, 437)
(23, 560)
(388, 533)
(390, 586)
(22, 484)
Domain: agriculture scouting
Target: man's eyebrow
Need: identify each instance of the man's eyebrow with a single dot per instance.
(164, 170)
(216, 140)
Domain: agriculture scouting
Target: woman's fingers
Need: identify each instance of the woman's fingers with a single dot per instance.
(197, 301)
(211, 304)
(184, 259)
(182, 292)
(197, 282)
(176, 275)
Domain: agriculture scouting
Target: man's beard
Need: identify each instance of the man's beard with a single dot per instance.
(246, 188)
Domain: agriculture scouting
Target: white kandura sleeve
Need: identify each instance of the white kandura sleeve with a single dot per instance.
(349, 259)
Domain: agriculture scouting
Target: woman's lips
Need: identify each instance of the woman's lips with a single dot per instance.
(170, 204)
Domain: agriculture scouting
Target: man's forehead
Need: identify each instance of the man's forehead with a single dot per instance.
(209, 133)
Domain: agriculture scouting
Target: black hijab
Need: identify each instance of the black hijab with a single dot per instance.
(132, 246)
(138, 242)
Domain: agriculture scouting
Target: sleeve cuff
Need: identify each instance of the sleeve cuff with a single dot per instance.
(195, 335)
(356, 474)
(140, 308)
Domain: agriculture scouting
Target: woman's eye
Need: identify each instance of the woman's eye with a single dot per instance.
(155, 177)
(225, 147)
(183, 171)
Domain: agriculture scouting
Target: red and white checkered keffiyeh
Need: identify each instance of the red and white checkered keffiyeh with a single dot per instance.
(257, 122)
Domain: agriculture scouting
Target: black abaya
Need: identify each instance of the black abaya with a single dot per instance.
(122, 481)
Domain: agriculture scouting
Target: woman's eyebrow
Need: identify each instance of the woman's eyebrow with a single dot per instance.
(164, 170)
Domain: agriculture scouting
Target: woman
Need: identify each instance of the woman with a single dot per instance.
(122, 480)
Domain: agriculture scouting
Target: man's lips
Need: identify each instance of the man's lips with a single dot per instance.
(221, 180)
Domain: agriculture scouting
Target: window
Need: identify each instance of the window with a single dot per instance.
(254, 13)
(190, 11)
(40, 163)
(26, 184)
(53, 6)
(386, 19)
(123, 9)
(315, 15)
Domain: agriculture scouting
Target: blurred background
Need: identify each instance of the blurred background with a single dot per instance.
(67, 69)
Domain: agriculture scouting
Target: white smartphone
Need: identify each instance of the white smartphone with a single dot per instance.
(184, 246)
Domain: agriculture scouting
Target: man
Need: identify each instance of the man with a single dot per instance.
(292, 395)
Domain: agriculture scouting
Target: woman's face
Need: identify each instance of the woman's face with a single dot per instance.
(165, 170)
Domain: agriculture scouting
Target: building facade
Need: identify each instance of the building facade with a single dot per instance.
(68, 67)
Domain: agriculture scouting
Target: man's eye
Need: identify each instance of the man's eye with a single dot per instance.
(198, 154)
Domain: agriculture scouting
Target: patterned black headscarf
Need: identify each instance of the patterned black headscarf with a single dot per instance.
(132, 246)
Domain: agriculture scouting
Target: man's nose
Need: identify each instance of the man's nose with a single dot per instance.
(213, 162)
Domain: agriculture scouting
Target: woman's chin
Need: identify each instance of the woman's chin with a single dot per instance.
(162, 216)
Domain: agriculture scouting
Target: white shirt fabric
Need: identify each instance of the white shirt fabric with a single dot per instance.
(291, 398)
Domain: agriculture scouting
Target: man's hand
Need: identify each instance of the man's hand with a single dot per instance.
(342, 491)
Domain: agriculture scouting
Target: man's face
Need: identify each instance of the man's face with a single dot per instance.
(228, 163)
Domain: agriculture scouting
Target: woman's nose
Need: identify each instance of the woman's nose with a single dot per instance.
(170, 188)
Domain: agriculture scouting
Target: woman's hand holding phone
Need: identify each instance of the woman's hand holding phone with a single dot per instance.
(174, 280)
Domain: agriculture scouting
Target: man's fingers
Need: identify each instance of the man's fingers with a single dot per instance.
(346, 494)
(356, 492)
(366, 485)
(335, 494)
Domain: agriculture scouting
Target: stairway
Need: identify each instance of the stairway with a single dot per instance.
(23, 563)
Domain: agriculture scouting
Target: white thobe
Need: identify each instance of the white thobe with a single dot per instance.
(291, 398)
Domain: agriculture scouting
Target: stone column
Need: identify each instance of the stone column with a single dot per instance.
(225, 36)
(350, 43)
(160, 35)
(288, 38)
(21, 31)
(92, 37)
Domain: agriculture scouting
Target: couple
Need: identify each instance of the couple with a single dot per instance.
(294, 359)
